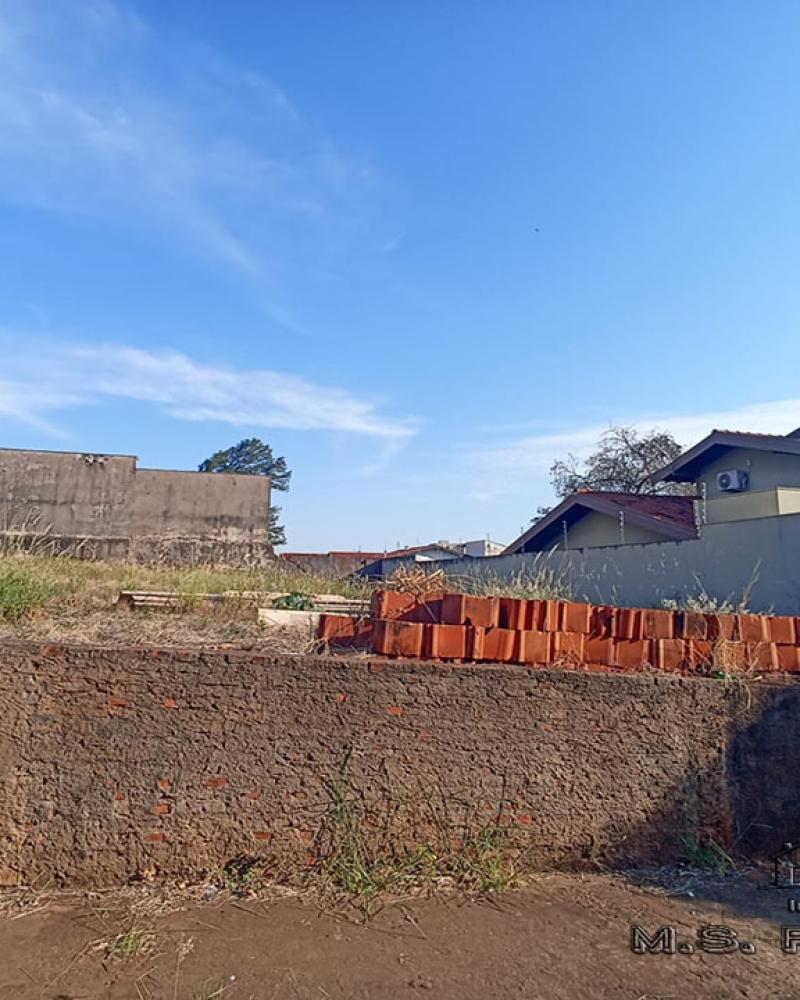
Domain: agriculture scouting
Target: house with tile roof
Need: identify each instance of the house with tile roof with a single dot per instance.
(735, 476)
(591, 518)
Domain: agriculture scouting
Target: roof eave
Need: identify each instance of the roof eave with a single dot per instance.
(593, 503)
(683, 470)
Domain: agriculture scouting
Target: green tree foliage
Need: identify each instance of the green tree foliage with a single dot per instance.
(252, 457)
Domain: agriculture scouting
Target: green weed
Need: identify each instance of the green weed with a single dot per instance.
(360, 856)
(708, 856)
(22, 591)
(244, 875)
(130, 944)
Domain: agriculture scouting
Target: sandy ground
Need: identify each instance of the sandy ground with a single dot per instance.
(564, 938)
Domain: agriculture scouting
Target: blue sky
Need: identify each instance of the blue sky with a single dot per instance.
(422, 249)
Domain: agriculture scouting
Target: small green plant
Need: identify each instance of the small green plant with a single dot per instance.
(482, 862)
(21, 591)
(293, 602)
(360, 856)
(131, 944)
(708, 856)
(244, 875)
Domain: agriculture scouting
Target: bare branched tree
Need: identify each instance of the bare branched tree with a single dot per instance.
(622, 463)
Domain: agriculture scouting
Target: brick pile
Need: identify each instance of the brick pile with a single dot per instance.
(463, 627)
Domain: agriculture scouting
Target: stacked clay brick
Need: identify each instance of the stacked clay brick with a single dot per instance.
(537, 632)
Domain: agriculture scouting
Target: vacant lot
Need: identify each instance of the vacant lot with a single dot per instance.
(60, 599)
(564, 938)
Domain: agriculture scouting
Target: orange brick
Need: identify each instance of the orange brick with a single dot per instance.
(428, 610)
(513, 613)
(544, 616)
(788, 658)
(162, 809)
(567, 647)
(466, 609)
(533, 647)
(603, 623)
(630, 624)
(169, 703)
(631, 654)
(672, 654)
(155, 838)
(335, 627)
(262, 835)
(701, 653)
(476, 638)
(691, 625)
(447, 642)
(762, 656)
(729, 655)
(395, 711)
(494, 644)
(723, 627)
(599, 650)
(344, 630)
(117, 702)
(165, 784)
(753, 628)
(215, 782)
(658, 623)
(576, 618)
(781, 630)
(392, 604)
(397, 638)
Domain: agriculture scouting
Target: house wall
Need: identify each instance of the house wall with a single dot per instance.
(482, 547)
(723, 561)
(741, 506)
(595, 529)
(788, 501)
(767, 470)
(121, 762)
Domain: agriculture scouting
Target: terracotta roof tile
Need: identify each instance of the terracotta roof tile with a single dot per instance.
(677, 509)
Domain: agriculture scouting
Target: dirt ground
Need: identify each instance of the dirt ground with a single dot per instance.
(566, 937)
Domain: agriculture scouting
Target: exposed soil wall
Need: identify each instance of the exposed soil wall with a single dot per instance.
(119, 762)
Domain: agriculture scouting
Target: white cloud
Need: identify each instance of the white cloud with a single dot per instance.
(46, 377)
(219, 161)
(528, 458)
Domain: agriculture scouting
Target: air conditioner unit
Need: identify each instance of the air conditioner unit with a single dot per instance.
(734, 481)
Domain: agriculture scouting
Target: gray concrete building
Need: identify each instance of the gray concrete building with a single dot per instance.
(104, 506)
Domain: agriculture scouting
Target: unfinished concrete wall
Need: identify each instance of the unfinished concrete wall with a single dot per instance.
(724, 561)
(228, 508)
(118, 762)
(103, 507)
(65, 493)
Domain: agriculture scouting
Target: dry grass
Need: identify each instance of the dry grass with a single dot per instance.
(541, 581)
(58, 598)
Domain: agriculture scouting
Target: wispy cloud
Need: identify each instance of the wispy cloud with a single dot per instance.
(218, 160)
(47, 377)
(527, 459)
